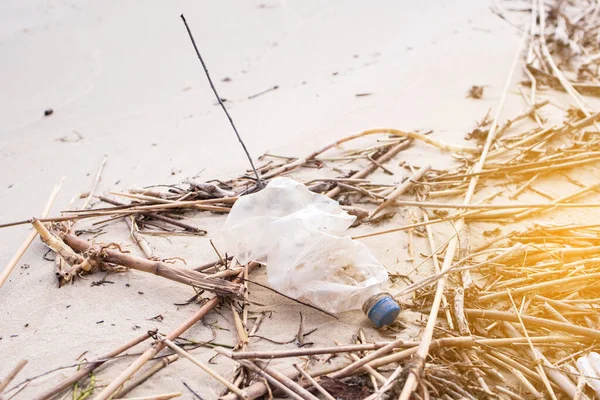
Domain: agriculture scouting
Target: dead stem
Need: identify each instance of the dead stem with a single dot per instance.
(267, 355)
(138, 380)
(12, 374)
(182, 275)
(372, 167)
(389, 199)
(415, 372)
(30, 238)
(108, 391)
(202, 366)
(314, 383)
(90, 367)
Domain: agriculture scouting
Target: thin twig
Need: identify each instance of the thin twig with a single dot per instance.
(11, 375)
(202, 366)
(290, 298)
(30, 238)
(258, 179)
(401, 189)
(324, 392)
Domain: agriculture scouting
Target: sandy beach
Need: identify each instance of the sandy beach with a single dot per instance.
(123, 82)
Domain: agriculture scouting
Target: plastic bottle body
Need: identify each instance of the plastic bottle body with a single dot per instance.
(298, 235)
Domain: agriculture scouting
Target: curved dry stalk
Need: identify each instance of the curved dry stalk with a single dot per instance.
(423, 138)
(396, 132)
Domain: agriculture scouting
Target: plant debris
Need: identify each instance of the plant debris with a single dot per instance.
(500, 307)
(475, 92)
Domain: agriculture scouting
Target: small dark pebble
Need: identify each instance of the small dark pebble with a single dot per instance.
(68, 305)
(127, 284)
(226, 79)
(26, 325)
(112, 324)
(335, 73)
(136, 327)
(140, 292)
(100, 322)
(14, 335)
(48, 112)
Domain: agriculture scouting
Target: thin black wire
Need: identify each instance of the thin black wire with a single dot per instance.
(191, 390)
(259, 181)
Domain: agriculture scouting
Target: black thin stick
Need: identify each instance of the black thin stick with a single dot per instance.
(259, 181)
(288, 297)
(186, 385)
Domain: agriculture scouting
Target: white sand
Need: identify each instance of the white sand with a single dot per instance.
(123, 75)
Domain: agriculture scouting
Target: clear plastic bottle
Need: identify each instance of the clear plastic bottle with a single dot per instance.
(299, 236)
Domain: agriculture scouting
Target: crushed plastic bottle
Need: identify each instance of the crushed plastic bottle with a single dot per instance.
(299, 236)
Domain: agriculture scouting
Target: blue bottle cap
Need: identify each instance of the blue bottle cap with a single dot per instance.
(383, 311)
